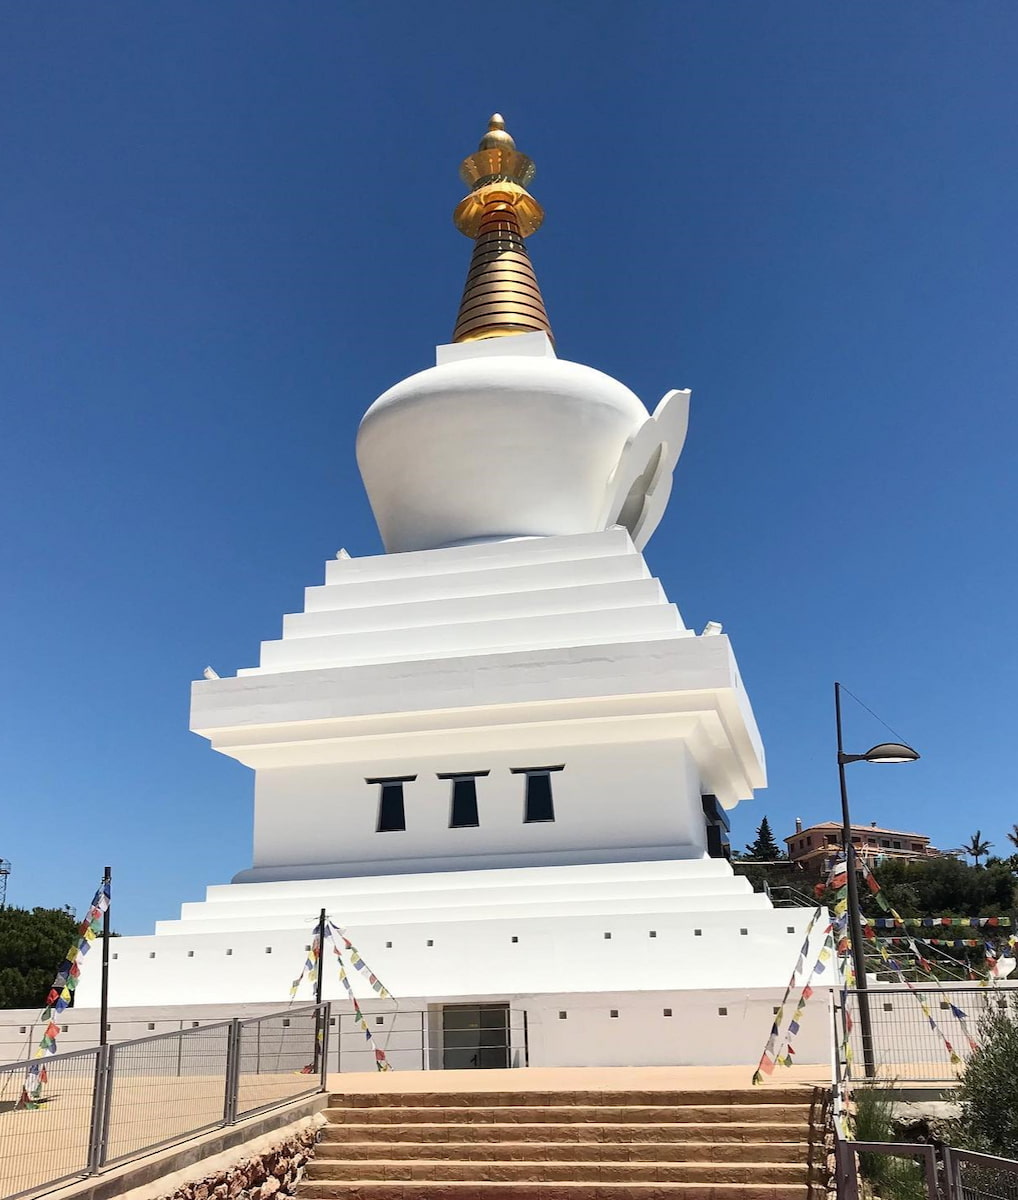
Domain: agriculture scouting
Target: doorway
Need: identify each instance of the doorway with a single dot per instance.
(475, 1036)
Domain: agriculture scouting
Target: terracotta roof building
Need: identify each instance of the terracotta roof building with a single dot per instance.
(815, 848)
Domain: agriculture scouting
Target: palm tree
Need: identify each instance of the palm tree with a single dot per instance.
(977, 847)
(1012, 837)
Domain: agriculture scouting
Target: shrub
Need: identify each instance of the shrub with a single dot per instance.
(989, 1086)
(884, 1175)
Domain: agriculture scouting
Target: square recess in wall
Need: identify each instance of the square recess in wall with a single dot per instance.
(515, 939)
(652, 933)
(562, 1016)
(697, 933)
(789, 929)
(613, 1012)
(722, 1012)
(667, 1012)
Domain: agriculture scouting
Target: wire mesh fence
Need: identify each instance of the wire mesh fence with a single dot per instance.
(448, 1037)
(923, 1033)
(165, 1087)
(91, 1108)
(970, 1176)
(52, 1142)
(278, 1059)
(921, 1171)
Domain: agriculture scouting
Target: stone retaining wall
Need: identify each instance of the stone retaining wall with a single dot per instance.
(267, 1169)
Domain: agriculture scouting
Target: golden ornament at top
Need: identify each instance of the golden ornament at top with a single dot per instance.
(497, 161)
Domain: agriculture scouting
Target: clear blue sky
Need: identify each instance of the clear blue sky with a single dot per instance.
(225, 228)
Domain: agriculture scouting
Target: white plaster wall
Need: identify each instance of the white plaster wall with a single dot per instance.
(477, 952)
(641, 1035)
(609, 800)
(719, 1027)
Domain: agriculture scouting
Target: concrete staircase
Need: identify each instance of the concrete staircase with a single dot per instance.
(717, 1145)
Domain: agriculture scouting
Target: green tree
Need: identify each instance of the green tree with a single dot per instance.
(943, 887)
(763, 848)
(976, 847)
(1012, 837)
(33, 944)
(989, 1086)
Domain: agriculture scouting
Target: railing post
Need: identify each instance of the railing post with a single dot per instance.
(98, 1122)
(930, 1171)
(232, 1072)
(322, 1019)
(845, 1171)
(425, 1048)
(952, 1184)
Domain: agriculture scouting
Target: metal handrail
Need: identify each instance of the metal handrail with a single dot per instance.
(847, 1163)
(101, 1121)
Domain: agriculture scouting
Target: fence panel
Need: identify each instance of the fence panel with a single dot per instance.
(50, 1143)
(164, 1088)
(972, 1176)
(886, 1169)
(906, 1047)
(277, 1060)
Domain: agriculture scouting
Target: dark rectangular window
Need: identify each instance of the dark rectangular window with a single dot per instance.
(464, 804)
(539, 805)
(463, 813)
(391, 811)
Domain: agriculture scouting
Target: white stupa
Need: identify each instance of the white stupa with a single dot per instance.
(495, 754)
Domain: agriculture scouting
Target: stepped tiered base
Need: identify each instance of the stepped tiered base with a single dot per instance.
(746, 1145)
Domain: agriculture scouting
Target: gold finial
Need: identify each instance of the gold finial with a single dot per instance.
(501, 295)
(496, 138)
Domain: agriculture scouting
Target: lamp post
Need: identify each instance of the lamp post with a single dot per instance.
(886, 752)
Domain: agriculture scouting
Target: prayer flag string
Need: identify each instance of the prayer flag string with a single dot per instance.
(768, 1058)
(61, 994)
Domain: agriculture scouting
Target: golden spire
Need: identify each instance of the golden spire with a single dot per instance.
(501, 295)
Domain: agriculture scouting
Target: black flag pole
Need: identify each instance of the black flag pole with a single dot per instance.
(104, 992)
(319, 1019)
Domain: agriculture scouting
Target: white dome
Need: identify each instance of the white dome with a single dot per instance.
(500, 440)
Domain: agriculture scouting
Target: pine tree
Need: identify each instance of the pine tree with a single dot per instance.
(32, 946)
(763, 848)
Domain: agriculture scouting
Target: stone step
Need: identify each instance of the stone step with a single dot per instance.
(566, 1152)
(726, 1096)
(723, 1132)
(477, 1190)
(500, 1171)
(791, 1114)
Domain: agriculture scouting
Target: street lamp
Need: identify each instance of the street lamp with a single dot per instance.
(886, 752)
